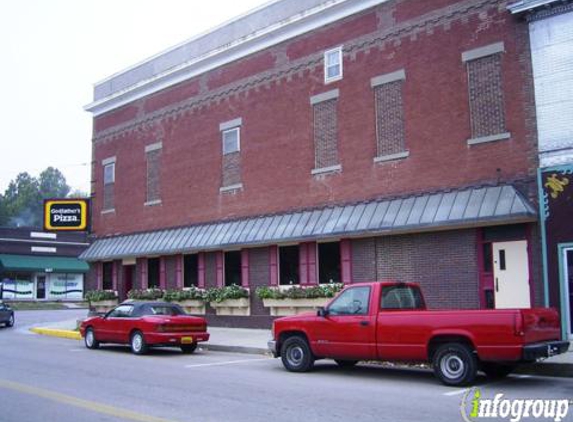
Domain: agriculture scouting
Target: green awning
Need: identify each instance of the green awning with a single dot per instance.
(54, 264)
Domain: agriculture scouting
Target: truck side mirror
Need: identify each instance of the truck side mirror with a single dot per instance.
(322, 312)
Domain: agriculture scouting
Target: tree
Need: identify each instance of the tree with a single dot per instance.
(52, 184)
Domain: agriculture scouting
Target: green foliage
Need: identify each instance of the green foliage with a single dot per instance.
(219, 294)
(146, 294)
(177, 295)
(298, 292)
(99, 295)
(23, 201)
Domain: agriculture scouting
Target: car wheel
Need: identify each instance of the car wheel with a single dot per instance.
(296, 355)
(496, 370)
(10, 322)
(138, 345)
(455, 364)
(188, 348)
(90, 340)
(346, 363)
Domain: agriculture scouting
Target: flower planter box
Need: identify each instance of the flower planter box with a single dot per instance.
(103, 306)
(236, 307)
(284, 307)
(192, 306)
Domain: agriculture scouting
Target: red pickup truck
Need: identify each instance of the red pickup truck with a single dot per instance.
(388, 321)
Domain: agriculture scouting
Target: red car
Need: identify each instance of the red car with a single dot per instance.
(145, 324)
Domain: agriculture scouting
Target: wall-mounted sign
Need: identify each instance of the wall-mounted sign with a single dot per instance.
(66, 214)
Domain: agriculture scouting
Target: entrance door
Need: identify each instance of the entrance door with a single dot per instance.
(511, 275)
(41, 287)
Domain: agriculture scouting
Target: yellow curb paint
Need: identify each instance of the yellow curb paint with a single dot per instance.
(73, 335)
(84, 404)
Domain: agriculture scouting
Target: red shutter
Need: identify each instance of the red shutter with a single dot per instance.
(311, 251)
(99, 271)
(114, 275)
(201, 270)
(162, 281)
(273, 257)
(346, 260)
(303, 264)
(178, 270)
(245, 268)
(219, 258)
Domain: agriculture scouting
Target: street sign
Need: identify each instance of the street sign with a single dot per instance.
(66, 214)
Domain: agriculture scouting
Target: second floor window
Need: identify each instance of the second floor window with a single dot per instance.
(108, 184)
(231, 140)
(333, 65)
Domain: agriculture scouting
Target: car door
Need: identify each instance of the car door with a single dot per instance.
(347, 331)
(113, 324)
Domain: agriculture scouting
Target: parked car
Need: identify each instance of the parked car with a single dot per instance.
(145, 324)
(389, 321)
(6, 315)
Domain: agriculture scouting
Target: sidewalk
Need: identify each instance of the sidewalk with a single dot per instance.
(254, 341)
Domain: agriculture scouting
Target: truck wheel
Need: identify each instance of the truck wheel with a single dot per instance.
(296, 355)
(496, 370)
(346, 363)
(138, 344)
(455, 364)
(90, 340)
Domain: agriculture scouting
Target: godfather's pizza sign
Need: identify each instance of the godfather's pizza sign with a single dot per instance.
(66, 214)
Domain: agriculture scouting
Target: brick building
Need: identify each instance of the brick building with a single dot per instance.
(551, 33)
(315, 141)
(40, 265)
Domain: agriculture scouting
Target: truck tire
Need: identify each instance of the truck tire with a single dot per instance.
(455, 364)
(296, 355)
(496, 370)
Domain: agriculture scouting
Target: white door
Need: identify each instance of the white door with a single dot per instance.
(511, 273)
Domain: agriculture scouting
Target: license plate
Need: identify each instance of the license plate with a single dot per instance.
(186, 340)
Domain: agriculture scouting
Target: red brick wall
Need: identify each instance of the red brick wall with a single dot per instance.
(277, 148)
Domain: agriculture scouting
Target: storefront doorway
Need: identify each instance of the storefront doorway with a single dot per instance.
(40, 287)
(511, 275)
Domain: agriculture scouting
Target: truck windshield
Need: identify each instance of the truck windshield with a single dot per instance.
(401, 297)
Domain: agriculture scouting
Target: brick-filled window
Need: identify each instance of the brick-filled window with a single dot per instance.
(191, 270)
(153, 271)
(153, 179)
(486, 97)
(325, 127)
(231, 151)
(108, 183)
(389, 107)
(333, 65)
(107, 276)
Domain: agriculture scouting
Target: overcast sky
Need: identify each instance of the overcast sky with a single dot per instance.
(53, 51)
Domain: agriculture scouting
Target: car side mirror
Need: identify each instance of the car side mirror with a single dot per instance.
(322, 312)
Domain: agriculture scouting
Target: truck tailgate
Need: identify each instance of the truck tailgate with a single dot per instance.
(539, 324)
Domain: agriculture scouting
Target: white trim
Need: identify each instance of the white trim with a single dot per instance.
(338, 51)
(110, 211)
(324, 170)
(49, 242)
(43, 249)
(109, 160)
(153, 147)
(399, 75)
(151, 203)
(299, 24)
(325, 96)
(231, 124)
(230, 188)
(392, 157)
(484, 51)
(42, 235)
(491, 138)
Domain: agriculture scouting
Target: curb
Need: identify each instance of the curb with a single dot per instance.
(53, 332)
(235, 349)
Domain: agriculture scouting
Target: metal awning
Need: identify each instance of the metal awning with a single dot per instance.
(56, 264)
(438, 211)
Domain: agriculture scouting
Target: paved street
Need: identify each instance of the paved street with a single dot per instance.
(50, 379)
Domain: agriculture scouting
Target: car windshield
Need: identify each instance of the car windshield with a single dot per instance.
(162, 310)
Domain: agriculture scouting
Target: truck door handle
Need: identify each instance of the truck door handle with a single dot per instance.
(364, 323)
